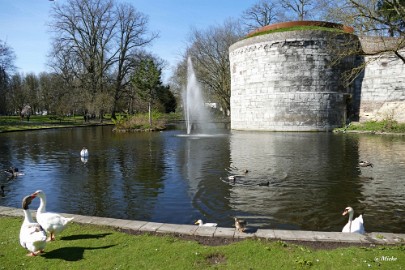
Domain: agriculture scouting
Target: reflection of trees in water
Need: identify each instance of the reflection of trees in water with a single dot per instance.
(161, 177)
(203, 162)
(310, 175)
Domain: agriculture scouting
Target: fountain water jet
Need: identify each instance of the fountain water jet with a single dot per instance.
(195, 112)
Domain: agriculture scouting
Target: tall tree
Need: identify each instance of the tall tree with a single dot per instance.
(131, 34)
(147, 79)
(93, 47)
(7, 58)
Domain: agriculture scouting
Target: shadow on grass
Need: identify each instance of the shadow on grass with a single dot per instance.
(84, 236)
(70, 253)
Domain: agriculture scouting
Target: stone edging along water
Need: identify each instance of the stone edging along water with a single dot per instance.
(231, 233)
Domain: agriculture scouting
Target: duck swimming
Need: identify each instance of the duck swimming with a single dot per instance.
(365, 163)
(265, 184)
(32, 235)
(52, 223)
(13, 172)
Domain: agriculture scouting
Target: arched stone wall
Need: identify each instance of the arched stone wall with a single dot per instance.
(285, 81)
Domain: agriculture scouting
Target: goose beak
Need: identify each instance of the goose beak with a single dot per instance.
(345, 212)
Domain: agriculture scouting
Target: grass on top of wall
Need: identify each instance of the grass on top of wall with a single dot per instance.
(96, 247)
(298, 28)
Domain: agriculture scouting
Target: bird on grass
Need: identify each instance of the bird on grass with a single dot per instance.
(32, 235)
(240, 224)
(52, 223)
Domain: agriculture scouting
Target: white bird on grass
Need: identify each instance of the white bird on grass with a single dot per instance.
(52, 223)
(32, 235)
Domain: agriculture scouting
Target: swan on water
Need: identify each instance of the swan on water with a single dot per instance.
(353, 226)
(84, 152)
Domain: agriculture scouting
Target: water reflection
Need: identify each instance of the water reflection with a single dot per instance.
(165, 177)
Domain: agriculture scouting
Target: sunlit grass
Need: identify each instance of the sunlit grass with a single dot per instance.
(14, 123)
(298, 28)
(96, 247)
(389, 126)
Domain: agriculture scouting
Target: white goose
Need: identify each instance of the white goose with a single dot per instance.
(52, 223)
(84, 153)
(32, 235)
(353, 226)
(201, 223)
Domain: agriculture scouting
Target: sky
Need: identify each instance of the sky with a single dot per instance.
(24, 26)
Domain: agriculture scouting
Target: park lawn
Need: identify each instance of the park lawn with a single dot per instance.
(96, 247)
(14, 123)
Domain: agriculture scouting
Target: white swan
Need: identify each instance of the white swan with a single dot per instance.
(84, 152)
(201, 223)
(32, 235)
(52, 223)
(353, 226)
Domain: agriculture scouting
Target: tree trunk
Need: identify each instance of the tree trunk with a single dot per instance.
(150, 114)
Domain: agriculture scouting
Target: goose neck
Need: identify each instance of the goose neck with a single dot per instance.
(27, 216)
(42, 205)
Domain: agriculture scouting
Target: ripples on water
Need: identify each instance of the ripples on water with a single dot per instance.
(176, 178)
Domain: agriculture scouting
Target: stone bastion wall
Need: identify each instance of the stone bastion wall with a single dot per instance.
(380, 89)
(286, 81)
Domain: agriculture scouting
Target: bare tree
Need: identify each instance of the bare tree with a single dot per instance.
(94, 43)
(262, 13)
(7, 58)
(210, 54)
(380, 18)
(131, 34)
(298, 9)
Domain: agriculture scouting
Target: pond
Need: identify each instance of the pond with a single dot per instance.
(173, 178)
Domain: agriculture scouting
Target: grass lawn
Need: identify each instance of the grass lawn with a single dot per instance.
(13, 123)
(94, 247)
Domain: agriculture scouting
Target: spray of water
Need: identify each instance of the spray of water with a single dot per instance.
(196, 114)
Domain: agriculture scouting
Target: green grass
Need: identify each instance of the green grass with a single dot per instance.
(386, 126)
(95, 247)
(14, 123)
(299, 28)
(141, 122)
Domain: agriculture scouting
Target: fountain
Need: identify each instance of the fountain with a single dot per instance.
(195, 112)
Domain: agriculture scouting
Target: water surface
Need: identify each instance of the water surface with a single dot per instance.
(173, 178)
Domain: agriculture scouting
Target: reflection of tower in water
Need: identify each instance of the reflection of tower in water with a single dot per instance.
(309, 174)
